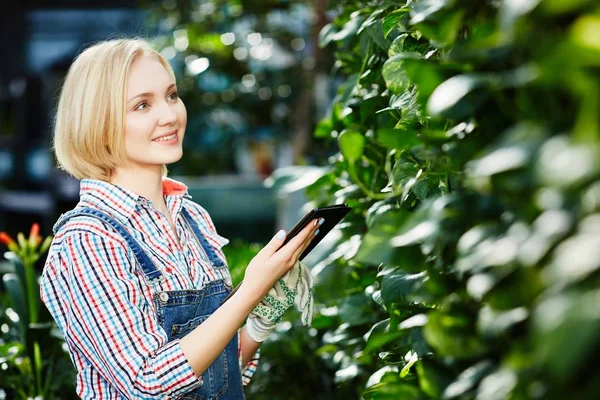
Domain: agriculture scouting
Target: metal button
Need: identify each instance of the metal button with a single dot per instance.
(164, 297)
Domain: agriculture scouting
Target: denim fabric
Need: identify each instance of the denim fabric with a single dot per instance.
(180, 311)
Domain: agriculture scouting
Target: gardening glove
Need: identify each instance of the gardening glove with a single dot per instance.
(295, 287)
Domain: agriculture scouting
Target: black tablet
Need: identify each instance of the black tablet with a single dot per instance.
(332, 215)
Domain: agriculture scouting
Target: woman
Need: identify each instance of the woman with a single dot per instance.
(135, 277)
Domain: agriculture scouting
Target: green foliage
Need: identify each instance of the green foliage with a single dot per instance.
(469, 140)
(33, 360)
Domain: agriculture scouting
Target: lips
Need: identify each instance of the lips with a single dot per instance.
(173, 132)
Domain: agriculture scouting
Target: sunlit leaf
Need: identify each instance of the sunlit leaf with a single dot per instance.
(426, 9)
(330, 33)
(352, 144)
(394, 74)
(411, 359)
(511, 10)
(390, 21)
(290, 179)
(450, 98)
(468, 379)
(400, 287)
(380, 335)
(497, 385)
(492, 323)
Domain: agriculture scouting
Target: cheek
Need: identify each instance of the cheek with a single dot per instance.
(137, 128)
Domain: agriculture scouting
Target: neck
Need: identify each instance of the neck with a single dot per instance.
(146, 182)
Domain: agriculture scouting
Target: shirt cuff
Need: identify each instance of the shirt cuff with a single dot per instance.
(250, 368)
(173, 370)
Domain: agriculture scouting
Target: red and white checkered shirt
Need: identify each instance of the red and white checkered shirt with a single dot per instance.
(97, 295)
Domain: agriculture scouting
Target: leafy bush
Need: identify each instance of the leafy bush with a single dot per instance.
(33, 357)
(469, 151)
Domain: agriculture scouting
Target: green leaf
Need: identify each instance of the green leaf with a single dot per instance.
(565, 328)
(291, 179)
(396, 138)
(10, 350)
(379, 335)
(354, 310)
(418, 228)
(402, 172)
(444, 30)
(457, 97)
(391, 20)
(375, 247)
(402, 288)
(347, 91)
(330, 33)
(352, 144)
(433, 378)
(427, 186)
(411, 358)
(375, 32)
(452, 335)
(18, 300)
(426, 74)
(468, 379)
(371, 20)
(493, 323)
(378, 376)
(499, 384)
(426, 9)
(324, 128)
(327, 34)
(510, 11)
(394, 74)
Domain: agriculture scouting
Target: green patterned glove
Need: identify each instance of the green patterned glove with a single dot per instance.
(294, 287)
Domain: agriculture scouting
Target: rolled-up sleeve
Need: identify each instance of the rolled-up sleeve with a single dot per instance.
(105, 316)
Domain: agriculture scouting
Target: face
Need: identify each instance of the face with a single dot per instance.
(155, 116)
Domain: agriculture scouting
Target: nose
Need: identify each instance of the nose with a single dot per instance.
(166, 114)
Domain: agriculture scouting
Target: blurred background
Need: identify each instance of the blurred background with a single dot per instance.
(464, 134)
(246, 72)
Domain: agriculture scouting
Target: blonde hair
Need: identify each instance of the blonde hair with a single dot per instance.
(90, 117)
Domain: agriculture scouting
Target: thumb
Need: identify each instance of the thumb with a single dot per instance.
(274, 244)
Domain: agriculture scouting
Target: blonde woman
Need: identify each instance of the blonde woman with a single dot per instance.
(135, 276)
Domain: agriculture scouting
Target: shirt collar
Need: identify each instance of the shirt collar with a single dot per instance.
(121, 202)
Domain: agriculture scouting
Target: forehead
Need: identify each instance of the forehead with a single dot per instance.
(147, 74)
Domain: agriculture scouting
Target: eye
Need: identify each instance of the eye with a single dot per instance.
(139, 106)
(173, 96)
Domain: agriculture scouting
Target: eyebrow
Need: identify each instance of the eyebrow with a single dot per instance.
(149, 94)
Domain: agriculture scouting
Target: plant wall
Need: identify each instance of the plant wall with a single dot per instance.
(469, 150)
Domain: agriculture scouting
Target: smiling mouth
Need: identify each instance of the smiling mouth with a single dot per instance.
(166, 138)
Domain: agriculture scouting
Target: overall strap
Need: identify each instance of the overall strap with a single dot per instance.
(214, 259)
(151, 273)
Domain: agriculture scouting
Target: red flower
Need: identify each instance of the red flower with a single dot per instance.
(35, 230)
(6, 239)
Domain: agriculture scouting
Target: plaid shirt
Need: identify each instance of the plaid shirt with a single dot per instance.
(97, 295)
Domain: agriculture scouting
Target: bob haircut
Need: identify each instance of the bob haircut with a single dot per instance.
(89, 139)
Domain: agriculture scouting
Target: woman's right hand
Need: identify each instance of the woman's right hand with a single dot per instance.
(272, 262)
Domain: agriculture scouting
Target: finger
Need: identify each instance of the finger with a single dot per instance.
(286, 252)
(274, 244)
(306, 242)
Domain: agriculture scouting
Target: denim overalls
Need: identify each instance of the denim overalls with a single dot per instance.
(180, 311)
